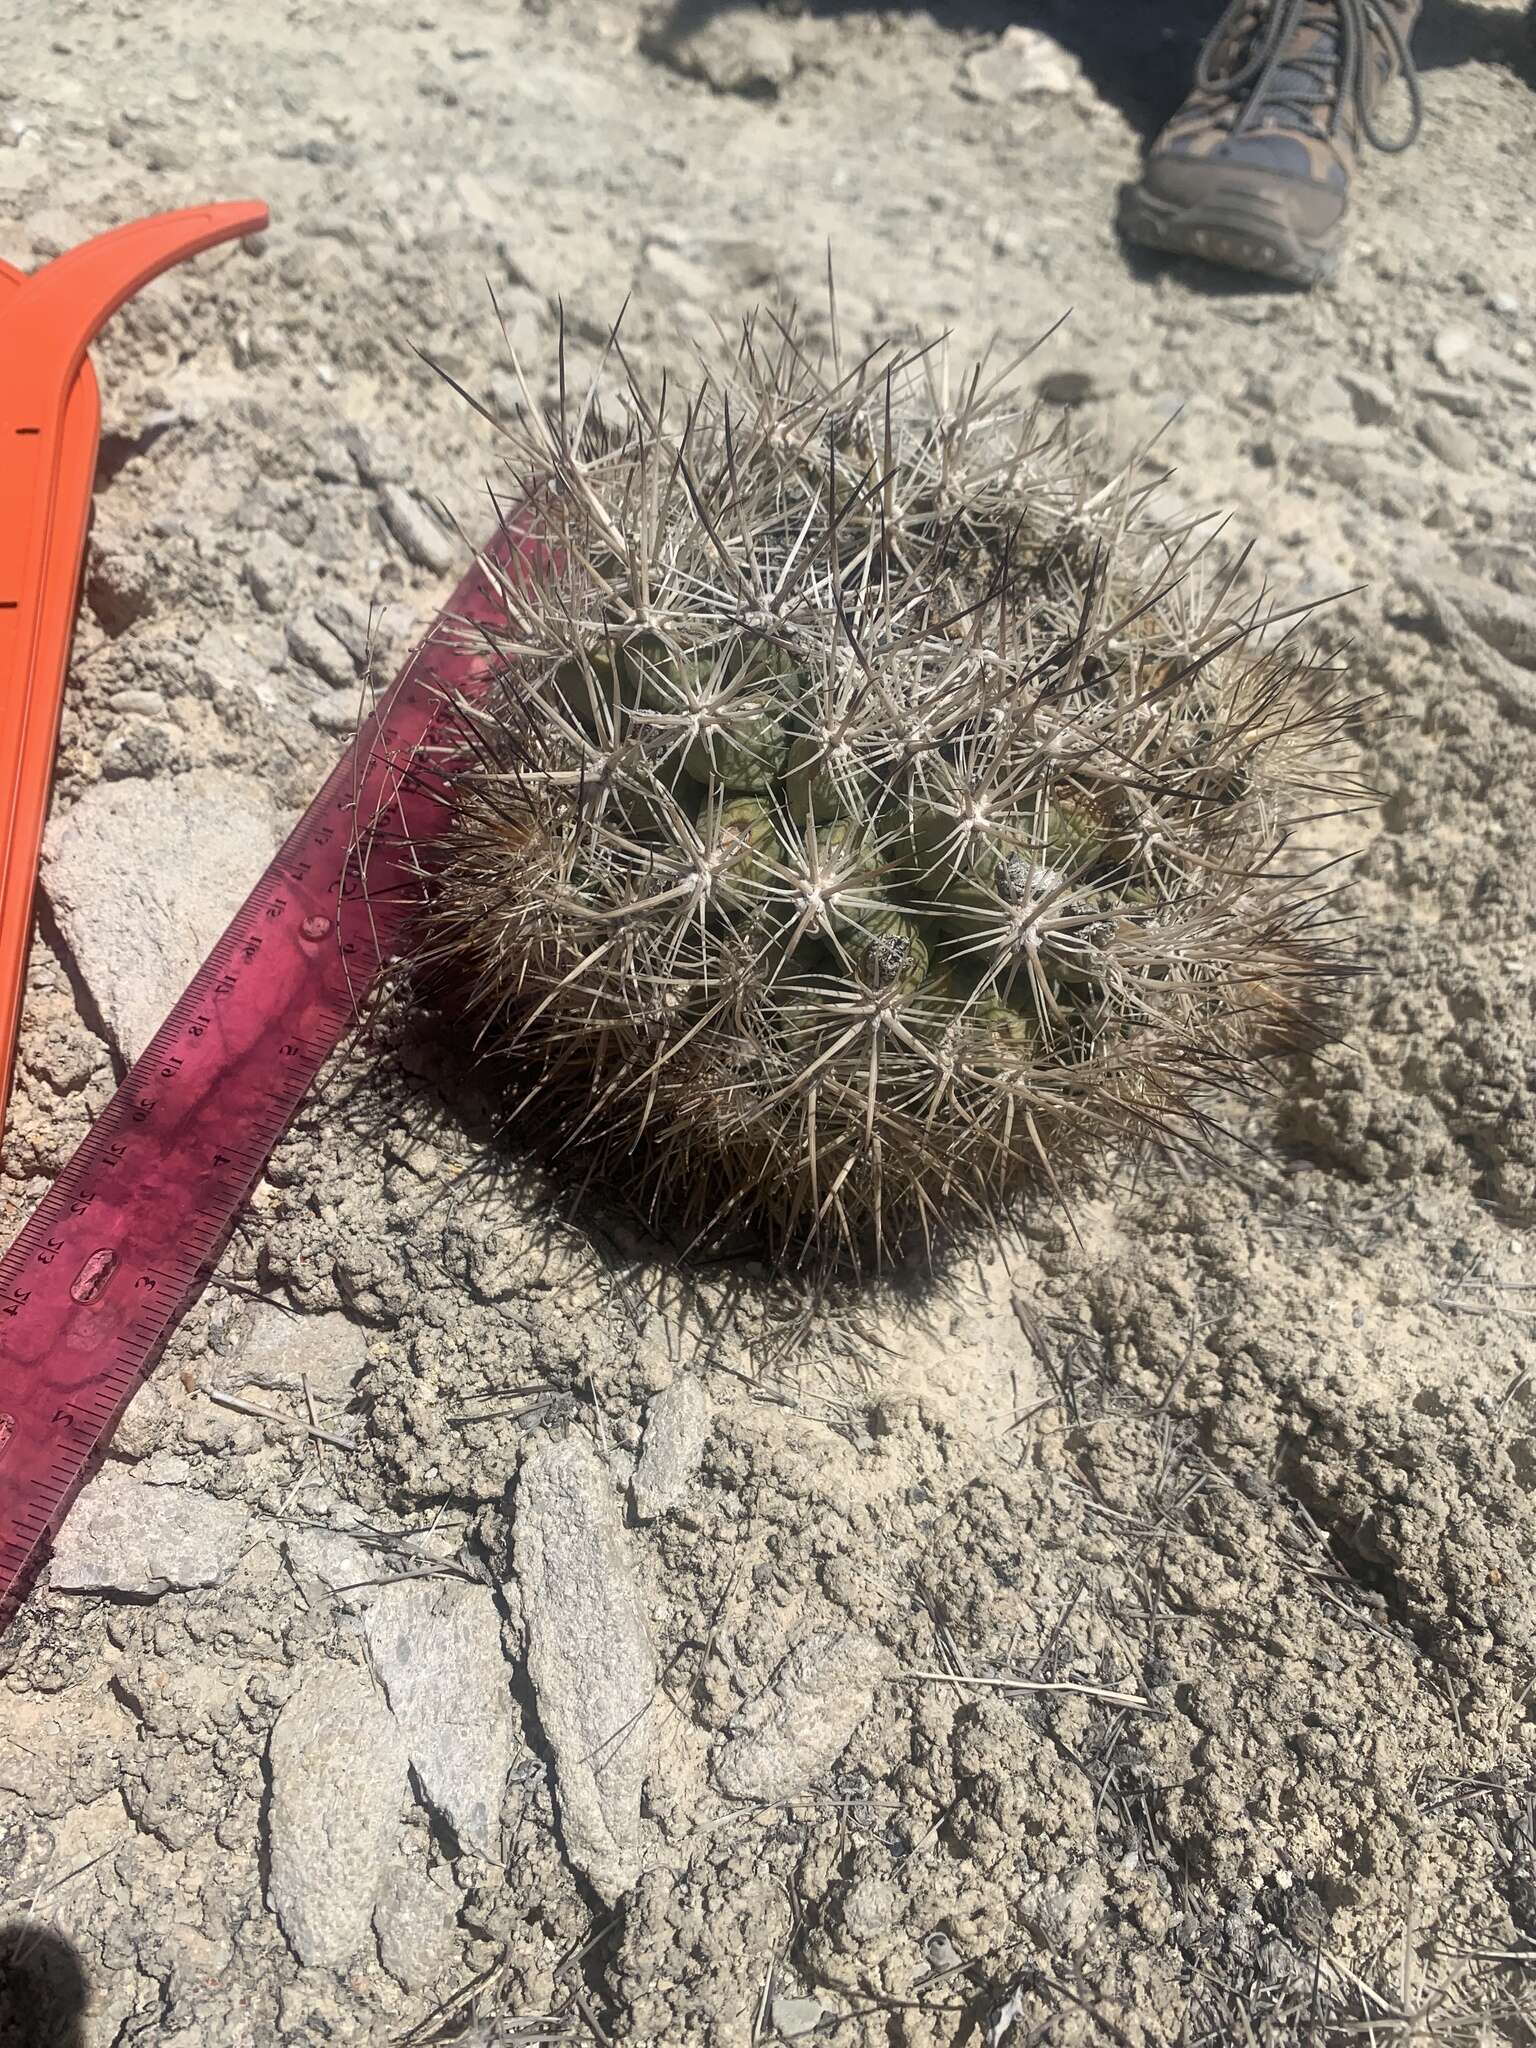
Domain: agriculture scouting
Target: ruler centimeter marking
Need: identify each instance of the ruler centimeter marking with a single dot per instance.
(122, 1243)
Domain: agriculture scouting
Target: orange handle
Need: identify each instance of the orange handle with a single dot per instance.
(50, 419)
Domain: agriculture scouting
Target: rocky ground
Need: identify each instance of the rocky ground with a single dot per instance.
(1126, 1640)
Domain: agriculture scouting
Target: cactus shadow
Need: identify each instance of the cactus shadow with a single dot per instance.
(43, 1991)
(467, 1099)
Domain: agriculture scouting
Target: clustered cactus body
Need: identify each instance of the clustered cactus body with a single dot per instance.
(869, 814)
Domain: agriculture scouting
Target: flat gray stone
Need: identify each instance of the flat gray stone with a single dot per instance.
(313, 643)
(803, 1719)
(436, 1645)
(1451, 346)
(1448, 440)
(144, 876)
(338, 1783)
(590, 1658)
(1373, 399)
(676, 1431)
(283, 1350)
(795, 2018)
(124, 1536)
(424, 541)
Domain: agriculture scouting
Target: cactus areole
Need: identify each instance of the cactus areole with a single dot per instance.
(875, 810)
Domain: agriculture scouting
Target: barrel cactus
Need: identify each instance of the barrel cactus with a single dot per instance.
(873, 810)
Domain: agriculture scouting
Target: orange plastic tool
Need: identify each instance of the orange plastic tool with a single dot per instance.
(50, 419)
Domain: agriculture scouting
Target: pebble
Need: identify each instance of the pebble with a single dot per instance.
(119, 584)
(1451, 346)
(143, 877)
(140, 703)
(1454, 446)
(268, 572)
(424, 541)
(590, 1659)
(141, 747)
(124, 1536)
(436, 1646)
(319, 649)
(357, 626)
(374, 462)
(1372, 399)
(1466, 402)
(338, 1780)
(804, 1718)
(872, 1906)
(1021, 64)
(676, 1430)
(794, 2018)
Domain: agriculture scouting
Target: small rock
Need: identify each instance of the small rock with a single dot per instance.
(123, 1536)
(590, 1658)
(338, 1781)
(339, 713)
(1372, 399)
(319, 649)
(282, 1351)
(119, 584)
(359, 628)
(804, 1719)
(871, 1908)
(1464, 400)
(268, 572)
(144, 877)
(1451, 443)
(330, 456)
(337, 1561)
(739, 52)
(142, 747)
(436, 1646)
(137, 703)
(1464, 608)
(414, 1923)
(676, 1430)
(794, 2018)
(1022, 63)
(375, 462)
(423, 540)
(1451, 346)
(1494, 367)
(1494, 633)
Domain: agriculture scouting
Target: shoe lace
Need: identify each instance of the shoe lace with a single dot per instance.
(1332, 76)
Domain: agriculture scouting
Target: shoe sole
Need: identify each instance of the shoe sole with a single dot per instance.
(1234, 228)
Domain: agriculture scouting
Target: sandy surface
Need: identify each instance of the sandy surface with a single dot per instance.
(1126, 1641)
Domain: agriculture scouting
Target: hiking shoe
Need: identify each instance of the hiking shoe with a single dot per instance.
(1254, 169)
